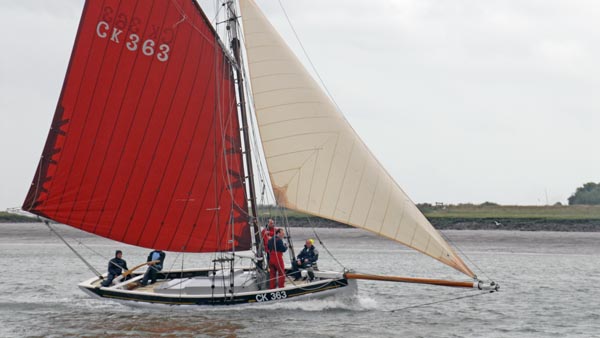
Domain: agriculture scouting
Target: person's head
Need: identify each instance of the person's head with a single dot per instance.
(118, 254)
(271, 223)
(309, 242)
(279, 233)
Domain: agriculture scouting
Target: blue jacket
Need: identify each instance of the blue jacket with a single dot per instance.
(276, 244)
(162, 255)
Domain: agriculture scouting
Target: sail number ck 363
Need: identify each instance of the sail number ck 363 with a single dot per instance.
(133, 41)
(265, 297)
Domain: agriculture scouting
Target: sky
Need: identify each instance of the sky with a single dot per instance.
(462, 101)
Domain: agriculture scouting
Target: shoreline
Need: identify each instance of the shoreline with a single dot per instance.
(511, 224)
(441, 223)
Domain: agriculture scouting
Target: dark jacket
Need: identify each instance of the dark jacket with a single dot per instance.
(311, 254)
(159, 266)
(116, 266)
(276, 244)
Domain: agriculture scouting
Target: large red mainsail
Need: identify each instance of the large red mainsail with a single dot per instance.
(145, 143)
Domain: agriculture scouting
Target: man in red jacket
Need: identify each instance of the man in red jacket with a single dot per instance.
(267, 233)
(276, 266)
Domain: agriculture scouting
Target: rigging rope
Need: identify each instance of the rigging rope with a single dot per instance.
(438, 302)
(323, 244)
(464, 255)
(308, 57)
(74, 251)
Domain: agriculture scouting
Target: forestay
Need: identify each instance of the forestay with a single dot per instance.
(317, 163)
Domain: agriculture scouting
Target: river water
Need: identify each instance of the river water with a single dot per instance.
(550, 287)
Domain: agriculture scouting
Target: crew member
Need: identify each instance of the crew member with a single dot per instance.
(276, 266)
(156, 259)
(307, 259)
(115, 268)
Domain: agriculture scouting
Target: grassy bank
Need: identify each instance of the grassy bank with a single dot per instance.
(482, 211)
(479, 217)
(491, 211)
(6, 217)
(463, 216)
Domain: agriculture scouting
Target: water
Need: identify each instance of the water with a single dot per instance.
(549, 288)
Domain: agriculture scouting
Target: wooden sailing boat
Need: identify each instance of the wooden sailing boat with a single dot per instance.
(150, 146)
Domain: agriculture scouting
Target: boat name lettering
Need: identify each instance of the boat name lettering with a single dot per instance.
(120, 29)
(265, 297)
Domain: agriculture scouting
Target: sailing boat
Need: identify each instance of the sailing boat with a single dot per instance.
(150, 145)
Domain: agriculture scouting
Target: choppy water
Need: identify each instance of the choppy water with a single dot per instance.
(550, 288)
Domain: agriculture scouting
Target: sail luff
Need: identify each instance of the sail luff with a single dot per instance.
(317, 163)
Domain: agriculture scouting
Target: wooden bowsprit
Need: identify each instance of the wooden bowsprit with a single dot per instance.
(477, 284)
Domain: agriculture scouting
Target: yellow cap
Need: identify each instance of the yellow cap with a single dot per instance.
(312, 241)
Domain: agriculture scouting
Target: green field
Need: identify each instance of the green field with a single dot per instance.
(555, 212)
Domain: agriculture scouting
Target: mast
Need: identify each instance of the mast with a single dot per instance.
(232, 27)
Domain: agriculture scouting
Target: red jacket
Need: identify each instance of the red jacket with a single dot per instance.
(267, 233)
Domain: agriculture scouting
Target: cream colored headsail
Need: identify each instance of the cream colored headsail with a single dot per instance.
(317, 163)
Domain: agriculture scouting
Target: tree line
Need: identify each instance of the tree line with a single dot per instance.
(588, 194)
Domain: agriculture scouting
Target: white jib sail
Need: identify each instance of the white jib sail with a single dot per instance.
(316, 161)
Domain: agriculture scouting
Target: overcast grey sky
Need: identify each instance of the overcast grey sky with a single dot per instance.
(462, 101)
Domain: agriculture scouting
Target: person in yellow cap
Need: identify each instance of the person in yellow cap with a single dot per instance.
(307, 259)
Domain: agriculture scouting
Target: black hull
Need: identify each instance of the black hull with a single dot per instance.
(315, 289)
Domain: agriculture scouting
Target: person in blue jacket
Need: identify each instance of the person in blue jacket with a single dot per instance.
(307, 259)
(156, 259)
(277, 247)
(115, 268)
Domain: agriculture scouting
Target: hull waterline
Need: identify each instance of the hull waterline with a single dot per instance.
(323, 286)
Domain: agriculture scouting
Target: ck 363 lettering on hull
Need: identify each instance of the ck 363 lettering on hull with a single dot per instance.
(265, 297)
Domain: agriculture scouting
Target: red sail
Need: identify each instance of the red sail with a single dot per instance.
(145, 145)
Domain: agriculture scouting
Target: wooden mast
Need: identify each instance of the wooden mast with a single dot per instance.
(232, 27)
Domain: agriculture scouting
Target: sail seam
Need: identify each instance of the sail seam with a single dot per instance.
(73, 115)
(399, 222)
(358, 186)
(98, 129)
(282, 89)
(301, 134)
(335, 209)
(387, 205)
(189, 147)
(334, 154)
(144, 136)
(289, 104)
(127, 138)
(297, 119)
(160, 141)
(271, 75)
(312, 179)
(292, 152)
(372, 200)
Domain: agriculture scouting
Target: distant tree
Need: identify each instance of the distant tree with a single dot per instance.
(588, 194)
(489, 204)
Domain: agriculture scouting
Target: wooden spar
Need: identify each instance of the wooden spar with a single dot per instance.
(128, 272)
(440, 282)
